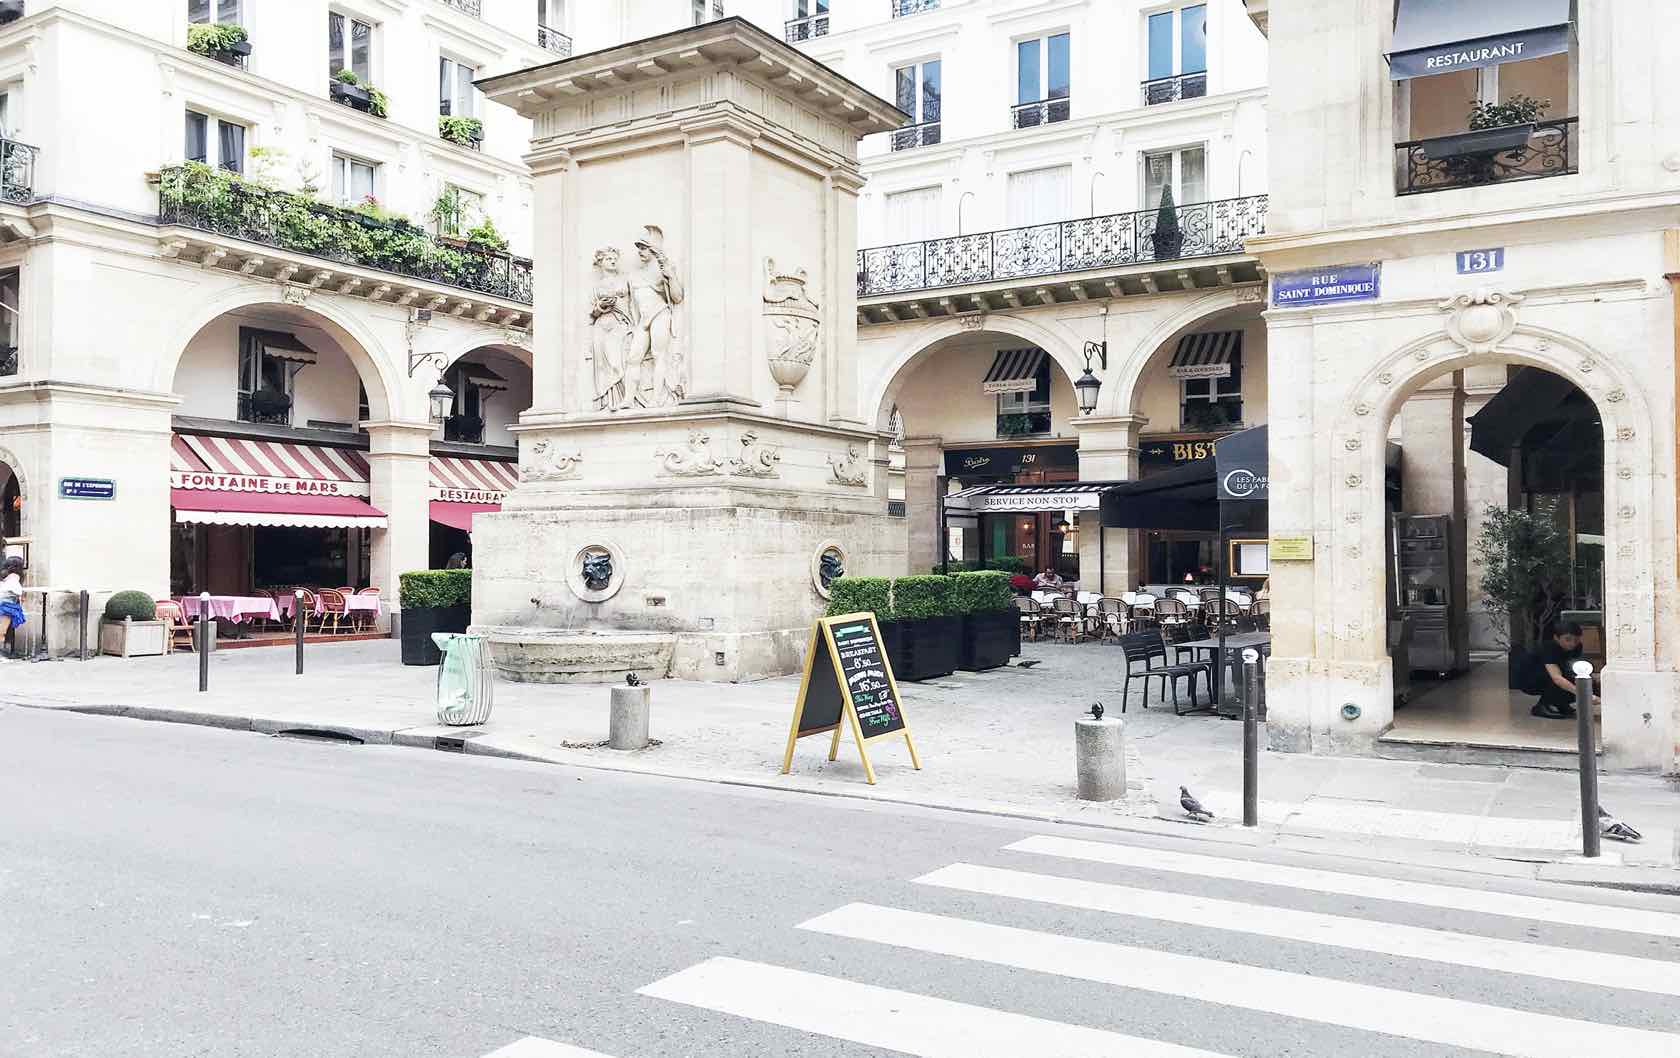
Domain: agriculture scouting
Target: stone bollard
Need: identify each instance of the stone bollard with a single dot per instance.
(1099, 748)
(628, 726)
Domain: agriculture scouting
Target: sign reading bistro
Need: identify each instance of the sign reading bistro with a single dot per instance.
(192, 479)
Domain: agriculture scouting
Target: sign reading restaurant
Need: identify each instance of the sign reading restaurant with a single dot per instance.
(192, 479)
(450, 495)
(1326, 286)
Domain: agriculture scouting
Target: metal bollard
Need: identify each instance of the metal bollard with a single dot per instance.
(43, 649)
(1589, 759)
(84, 620)
(1251, 738)
(204, 627)
(297, 613)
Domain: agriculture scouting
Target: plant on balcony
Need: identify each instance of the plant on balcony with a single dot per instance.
(1518, 110)
(463, 132)
(467, 429)
(1168, 237)
(1495, 128)
(221, 41)
(1017, 424)
(270, 405)
(354, 92)
(446, 211)
(485, 236)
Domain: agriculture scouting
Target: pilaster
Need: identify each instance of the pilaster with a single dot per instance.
(399, 455)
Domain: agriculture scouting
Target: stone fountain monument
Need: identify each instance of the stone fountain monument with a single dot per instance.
(695, 467)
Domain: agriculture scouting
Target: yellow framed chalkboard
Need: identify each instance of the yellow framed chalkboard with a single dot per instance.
(848, 682)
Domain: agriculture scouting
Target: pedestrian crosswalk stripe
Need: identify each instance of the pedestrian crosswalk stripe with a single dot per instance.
(906, 1022)
(532, 1047)
(1408, 942)
(1449, 897)
(1436, 1019)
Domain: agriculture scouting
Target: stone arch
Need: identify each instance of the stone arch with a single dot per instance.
(1120, 390)
(1630, 502)
(30, 500)
(471, 343)
(370, 358)
(1061, 347)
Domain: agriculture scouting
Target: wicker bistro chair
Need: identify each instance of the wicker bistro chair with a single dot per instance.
(1070, 622)
(175, 624)
(1032, 615)
(310, 605)
(1143, 649)
(1140, 608)
(1111, 618)
(366, 619)
(1173, 617)
(1262, 614)
(331, 609)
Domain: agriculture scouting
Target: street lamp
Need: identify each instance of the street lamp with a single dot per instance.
(443, 401)
(1087, 385)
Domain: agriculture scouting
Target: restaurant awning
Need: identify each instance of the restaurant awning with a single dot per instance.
(1180, 498)
(1206, 355)
(213, 507)
(1013, 371)
(244, 481)
(463, 487)
(458, 515)
(1019, 499)
(1440, 36)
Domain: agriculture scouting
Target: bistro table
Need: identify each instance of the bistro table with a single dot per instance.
(352, 604)
(234, 609)
(1235, 642)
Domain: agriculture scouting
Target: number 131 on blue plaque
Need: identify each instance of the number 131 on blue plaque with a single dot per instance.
(1475, 262)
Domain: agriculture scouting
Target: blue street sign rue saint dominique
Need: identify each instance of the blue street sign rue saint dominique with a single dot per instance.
(87, 488)
(1327, 286)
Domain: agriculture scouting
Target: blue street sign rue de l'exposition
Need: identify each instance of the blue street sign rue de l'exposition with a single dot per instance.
(87, 488)
(1326, 286)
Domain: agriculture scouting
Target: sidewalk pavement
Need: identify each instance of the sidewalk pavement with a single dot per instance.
(998, 742)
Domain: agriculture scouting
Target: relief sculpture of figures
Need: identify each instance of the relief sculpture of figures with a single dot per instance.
(611, 331)
(655, 361)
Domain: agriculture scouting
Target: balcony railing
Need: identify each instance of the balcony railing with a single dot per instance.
(911, 7)
(1172, 89)
(554, 41)
(1040, 112)
(17, 171)
(798, 29)
(464, 429)
(1205, 229)
(924, 135)
(266, 407)
(471, 7)
(196, 196)
(1486, 156)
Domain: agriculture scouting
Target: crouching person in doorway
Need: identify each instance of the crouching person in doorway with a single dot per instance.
(1552, 673)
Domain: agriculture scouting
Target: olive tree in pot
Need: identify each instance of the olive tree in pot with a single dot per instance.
(1525, 574)
(433, 600)
(129, 627)
(929, 630)
(991, 627)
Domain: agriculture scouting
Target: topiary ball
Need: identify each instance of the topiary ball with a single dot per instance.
(135, 604)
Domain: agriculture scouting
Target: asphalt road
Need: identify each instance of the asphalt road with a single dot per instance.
(175, 891)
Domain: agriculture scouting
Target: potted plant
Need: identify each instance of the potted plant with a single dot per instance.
(432, 600)
(929, 631)
(270, 405)
(463, 132)
(221, 41)
(486, 236)
(130, 628)
(354, 92)
(1168, 237)
(1525, 573)
(990, 626)
(1494, 129)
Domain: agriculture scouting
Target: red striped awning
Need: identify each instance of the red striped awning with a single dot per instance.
(480, 482)
(234, 464)
(212, 507)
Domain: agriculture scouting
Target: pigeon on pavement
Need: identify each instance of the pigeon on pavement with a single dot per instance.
(1192, 807)
(1027, 664)
(1611, 827)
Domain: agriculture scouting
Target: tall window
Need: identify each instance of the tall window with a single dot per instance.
(1025, 414)
(224, 11)
(552, 13)
(9, 305)
(1185, 171)
(914, 215)
(353, 180)
(467, 209)
(456, 94)
(1039, 196)
(1177, 55)
(270, 375)
(349, 45)
(917, 91)
(6, 114)
(216, 142)
(1041, 80)
(1213, 403)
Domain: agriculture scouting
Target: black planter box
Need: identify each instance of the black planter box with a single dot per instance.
(925, 648)
(1167, 246)
(418, 624)
(1481, 141)
(353, 95)
(989, 640)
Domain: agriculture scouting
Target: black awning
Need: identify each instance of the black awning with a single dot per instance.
(1013, 371)
(1240, 462)
(1205, 355)
(1440, 36)
(1532, 396)
(1181, 498)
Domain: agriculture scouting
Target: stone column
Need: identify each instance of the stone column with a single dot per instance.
(1108, 451)
(399, 455)
(924, 463)
(1432, 451)
(1486, 484)
(720, 243)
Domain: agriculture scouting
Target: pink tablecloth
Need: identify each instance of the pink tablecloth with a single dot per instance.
(352, 604)
(235, 608)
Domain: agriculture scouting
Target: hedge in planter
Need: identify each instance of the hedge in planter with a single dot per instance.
(861, 595)
(433, 600)
(132, 605)
(928, 630)
(130, 627)
(991, 629)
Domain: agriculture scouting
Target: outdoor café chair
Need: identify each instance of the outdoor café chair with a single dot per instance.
(1111, 618)
(1031, 615)
(175, 624)
(332, 608)
(1070, 623)
(1144, 648)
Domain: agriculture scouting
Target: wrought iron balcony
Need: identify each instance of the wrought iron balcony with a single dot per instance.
(798, 29)
(196, 196)
(1040, 112)
(265, 406)
(924, 135)
(465, 429)
(911, 7)
(1486, 156)
(1172, 89)
(1205, 229)
(471, 7)
(17, 171)
(555, 41)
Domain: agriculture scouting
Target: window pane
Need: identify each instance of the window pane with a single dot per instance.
(341, 185)
(1160, 45)
(1059, 67)
(1026, 71)
(1195, 387)
(906, 92)
(361, 50)
(445, 82)
(1440, 104)
(1192, 175)
(230, 12)
(231, 146)
(197, 139)
(914, 215)
(1157, 173)
(930, 90)
(362, 180)
(1545, 79)
(464, 91)
(1038, 196)
(198, 10)
(335, 42)
(1193, 22)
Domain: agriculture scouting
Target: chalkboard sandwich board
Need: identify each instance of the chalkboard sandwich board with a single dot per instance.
(848, 682)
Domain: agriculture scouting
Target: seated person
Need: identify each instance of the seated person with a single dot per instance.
(1552, 675)
(1048, 579)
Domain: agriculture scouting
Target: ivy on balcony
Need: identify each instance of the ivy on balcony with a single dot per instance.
(194, 195)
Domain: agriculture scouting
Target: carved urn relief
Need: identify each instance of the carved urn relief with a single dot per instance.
(792, 326)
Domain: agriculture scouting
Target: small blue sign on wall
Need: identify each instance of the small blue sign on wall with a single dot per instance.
(1326, 286)
(87, 488)
(1475, 262)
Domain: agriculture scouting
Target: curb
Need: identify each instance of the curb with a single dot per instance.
(1524, 866)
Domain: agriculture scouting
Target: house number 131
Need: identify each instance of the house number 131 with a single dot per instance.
(1474, 262)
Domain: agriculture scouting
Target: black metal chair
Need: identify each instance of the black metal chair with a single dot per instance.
(1143, 648)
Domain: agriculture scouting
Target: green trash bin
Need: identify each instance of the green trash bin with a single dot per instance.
(466, 684)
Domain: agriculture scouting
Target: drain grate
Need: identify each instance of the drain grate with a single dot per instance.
(317, 734)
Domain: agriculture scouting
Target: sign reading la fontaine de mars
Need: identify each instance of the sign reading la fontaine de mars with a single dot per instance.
(1326, 286)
